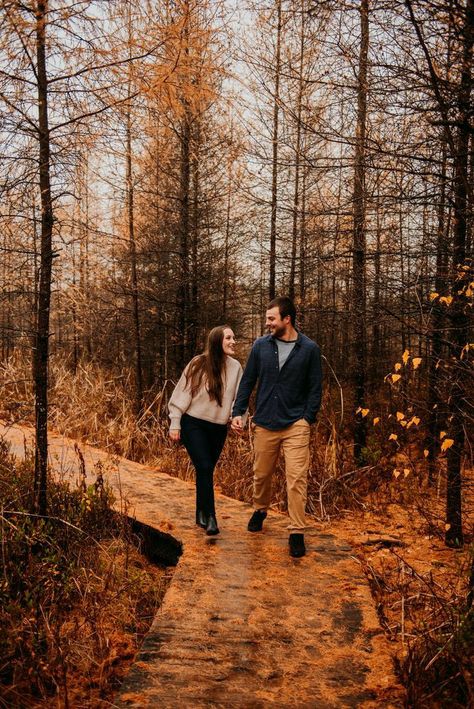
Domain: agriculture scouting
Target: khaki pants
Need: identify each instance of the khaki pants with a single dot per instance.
(294, 440)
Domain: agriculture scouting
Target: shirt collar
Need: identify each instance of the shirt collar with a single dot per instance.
(273, 339)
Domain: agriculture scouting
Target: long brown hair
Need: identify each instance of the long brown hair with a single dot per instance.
(209, 365)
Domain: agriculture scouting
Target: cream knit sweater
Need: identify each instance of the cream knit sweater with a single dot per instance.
(201, 406)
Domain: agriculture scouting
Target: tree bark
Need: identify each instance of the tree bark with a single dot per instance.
(41, 351)
(359, 239)
(462, 274)
(276, 108)
(296, 193)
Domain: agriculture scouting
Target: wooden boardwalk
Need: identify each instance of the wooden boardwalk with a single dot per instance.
(242, 624)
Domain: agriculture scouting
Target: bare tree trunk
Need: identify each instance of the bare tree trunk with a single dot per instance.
(193, 323)
(359, 237)
(437, 324)
(462, 274)
(296, 194)
(41, 351)
(226, 243)
(133, 265)
(276, 108)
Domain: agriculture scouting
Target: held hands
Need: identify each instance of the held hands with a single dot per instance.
(175, 436)
(237, 425)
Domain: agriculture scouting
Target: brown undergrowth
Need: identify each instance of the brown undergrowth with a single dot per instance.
(76, 594)
(393, 519)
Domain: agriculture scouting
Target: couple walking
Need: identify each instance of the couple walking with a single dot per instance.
(287, 366)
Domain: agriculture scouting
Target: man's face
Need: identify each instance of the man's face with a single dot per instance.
(274, 323)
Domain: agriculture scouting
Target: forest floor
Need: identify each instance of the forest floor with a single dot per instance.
(417, 583)
(241, 621)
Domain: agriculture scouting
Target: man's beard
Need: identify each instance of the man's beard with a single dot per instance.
(278, 332)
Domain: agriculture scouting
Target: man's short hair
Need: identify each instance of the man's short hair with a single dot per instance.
(285, 306)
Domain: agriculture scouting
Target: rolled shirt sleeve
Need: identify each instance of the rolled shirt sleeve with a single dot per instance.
(247, 383)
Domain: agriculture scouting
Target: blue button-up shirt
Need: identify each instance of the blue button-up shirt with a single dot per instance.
(283, 396)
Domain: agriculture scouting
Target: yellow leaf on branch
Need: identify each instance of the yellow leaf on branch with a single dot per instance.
(376, 420)
(396, 377)
(405, 356)
(406, 472)
(400, 416)
(447, 526)
(447, 443)
(398, 366)
(416, 361)
(364, 412)
(393, 437)
(396, 473)
(442, 435)
(426, 452)
(433, 295)
(448, 299)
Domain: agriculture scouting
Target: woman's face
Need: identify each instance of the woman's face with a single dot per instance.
(228, 342)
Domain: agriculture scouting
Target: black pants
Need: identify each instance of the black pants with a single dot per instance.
(204, 442)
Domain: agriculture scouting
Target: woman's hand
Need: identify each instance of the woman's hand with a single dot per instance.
(237, 425)
(175, 435)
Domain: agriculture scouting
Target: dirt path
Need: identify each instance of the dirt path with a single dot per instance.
(243, 624)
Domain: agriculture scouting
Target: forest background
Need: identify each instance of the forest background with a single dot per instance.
(169, 166)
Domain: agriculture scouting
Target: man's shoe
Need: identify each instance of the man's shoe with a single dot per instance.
(212, 527)
(297, 547)
(256, 521)
(201, 519)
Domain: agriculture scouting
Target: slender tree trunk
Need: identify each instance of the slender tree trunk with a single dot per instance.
(462, 274)
(193, 324)
(276, 108)
(133, 265)
(437, 324)
(359, 237)
(302, 289)
(183, 305)
(41, 352)
(226, 243)
(296, 193)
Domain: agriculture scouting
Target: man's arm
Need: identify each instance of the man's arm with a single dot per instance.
(315, 382)
(247, 383)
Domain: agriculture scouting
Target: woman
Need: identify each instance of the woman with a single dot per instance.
(199, 410)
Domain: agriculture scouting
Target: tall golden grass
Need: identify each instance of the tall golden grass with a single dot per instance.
(97, 407)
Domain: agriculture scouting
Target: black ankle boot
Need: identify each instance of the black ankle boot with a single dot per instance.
(212, 527)
(201, 519)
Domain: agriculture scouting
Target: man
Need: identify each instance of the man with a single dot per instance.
(287, 366)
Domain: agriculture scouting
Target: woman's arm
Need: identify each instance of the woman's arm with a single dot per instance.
(178, 405)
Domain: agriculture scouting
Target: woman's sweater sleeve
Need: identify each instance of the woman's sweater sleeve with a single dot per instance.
(179, 403)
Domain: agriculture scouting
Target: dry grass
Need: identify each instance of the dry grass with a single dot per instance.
(76, 596)
(421, 596)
